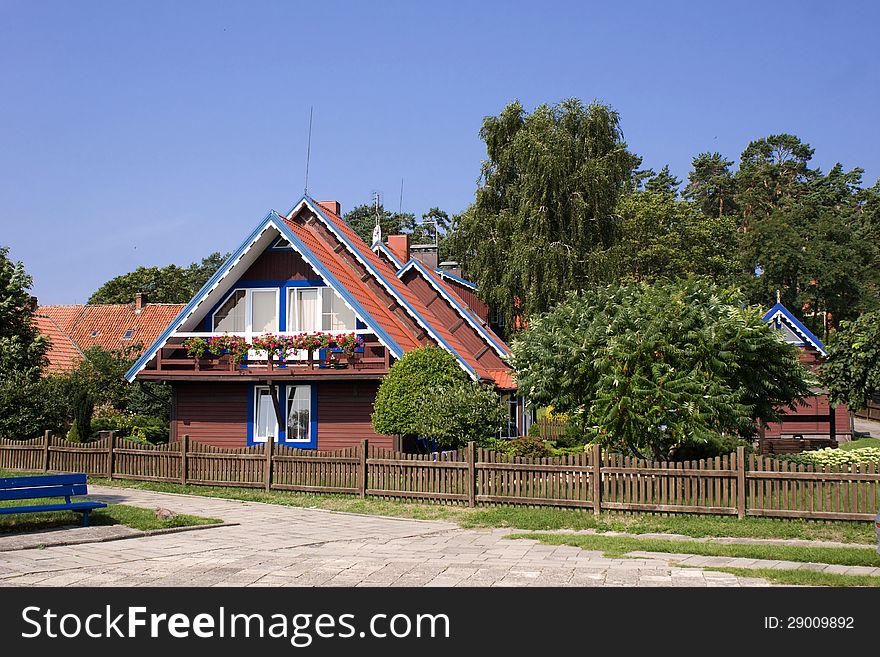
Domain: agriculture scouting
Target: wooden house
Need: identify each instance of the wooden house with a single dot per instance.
(815, 423)
(299, 274)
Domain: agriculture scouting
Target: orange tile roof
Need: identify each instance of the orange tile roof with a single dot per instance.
(503, 379)
(104, 325)
(403, 291)
(63, 354)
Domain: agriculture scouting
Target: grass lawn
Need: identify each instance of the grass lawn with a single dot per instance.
(619, 546)
(114, 514)
(860, 443)
(802, 577)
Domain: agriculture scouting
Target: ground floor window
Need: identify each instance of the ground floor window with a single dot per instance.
(295, 402)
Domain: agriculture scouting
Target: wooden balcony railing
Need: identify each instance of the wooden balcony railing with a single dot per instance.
(172, 359)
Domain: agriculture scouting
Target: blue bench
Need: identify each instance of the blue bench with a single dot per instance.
(64, 485)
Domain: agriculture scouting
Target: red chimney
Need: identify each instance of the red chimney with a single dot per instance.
(331, 206)
(139, 302)
(399, 246)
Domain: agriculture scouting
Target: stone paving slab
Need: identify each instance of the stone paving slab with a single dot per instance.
(274, 545)
(738, 562)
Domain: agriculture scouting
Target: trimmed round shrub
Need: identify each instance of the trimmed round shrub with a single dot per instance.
(529, 446)
(402, 395)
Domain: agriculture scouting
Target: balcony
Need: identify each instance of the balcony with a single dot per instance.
(172, 361)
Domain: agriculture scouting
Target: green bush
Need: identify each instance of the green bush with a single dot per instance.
(829, 457)
(692, 450)
(454, 414)
(410, 382)
(529, 446)
(498, 445)
(136, 427)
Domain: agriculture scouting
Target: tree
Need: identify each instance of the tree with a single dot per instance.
(711, 185)
(22, 348)
(851, 372)
(649, 368)
(544, 214)
(663, 183)
(454, 414)
(363, 219)
(410, 382)
(170, 284)
(664, 238)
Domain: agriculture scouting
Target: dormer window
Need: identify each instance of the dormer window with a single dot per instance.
(128, 334)
(95, 333)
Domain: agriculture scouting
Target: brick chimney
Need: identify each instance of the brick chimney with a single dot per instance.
(331, 206)
(399, 246)
(139, 302)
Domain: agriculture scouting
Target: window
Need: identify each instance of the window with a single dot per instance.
(128, 334)
(95, 333)
(265, 422)
(281, 243)
(318, 309)
(299, 412)
(245, 311)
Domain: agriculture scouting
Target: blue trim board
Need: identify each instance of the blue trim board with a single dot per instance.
(464, 312)
(281, 439)
(388, 285)
(197, 299)
(458, 279)
(796, 325)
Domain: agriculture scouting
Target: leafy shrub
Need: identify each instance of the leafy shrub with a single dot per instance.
(692, 450)
(829, 457)
(529, 446)
(498, 445)
(136, 427)
(534, 430)
(454, 414)
(410, 382)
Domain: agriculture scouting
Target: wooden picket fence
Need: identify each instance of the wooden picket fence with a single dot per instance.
(733, 485)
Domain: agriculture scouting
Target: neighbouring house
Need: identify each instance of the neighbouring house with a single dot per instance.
(72, 329)
(815, 423)
(303, 272)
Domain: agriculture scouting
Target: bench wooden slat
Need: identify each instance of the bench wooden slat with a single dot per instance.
(43, 491)
(73, 506)
(42, 480)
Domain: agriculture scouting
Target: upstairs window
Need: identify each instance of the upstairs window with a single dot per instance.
(128, 334)
(318, 309)
(248, 311)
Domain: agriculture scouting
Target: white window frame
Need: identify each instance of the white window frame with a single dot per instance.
(257, 396)
(288, 397)
(293, 303)
(248, 307)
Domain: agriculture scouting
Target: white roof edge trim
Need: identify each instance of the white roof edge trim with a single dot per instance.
(380, 279)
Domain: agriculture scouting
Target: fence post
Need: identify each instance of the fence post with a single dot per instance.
(267, 473)
(472, 480)
(596, 475)
(112, 444)
(47, 435)
(741, 482)
(184, 448)
(362, 469)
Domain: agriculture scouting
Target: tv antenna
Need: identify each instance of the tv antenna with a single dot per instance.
(309, 150)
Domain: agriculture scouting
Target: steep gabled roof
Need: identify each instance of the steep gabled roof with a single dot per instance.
(443, 273)
(63, 353)
(782, 318)
(403, 295)
(458, 303)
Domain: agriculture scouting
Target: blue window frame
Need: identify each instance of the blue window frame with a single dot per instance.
(299, 407)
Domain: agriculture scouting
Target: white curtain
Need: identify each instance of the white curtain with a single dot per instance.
(264, 311)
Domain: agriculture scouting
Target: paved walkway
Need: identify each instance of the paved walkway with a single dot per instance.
(284, 546)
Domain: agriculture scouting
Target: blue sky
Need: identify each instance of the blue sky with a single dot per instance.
(146, 133)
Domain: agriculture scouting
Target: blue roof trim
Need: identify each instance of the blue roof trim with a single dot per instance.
(282, 228)
(316, 208)
(465, 314)
(458, 279)
(798, 327)
(380, 246)
(197, 299)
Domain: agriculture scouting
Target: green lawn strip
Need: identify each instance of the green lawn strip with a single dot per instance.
(801, 577)
(860, 443)
(114, 514)
(620, 546)
(531, 518)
